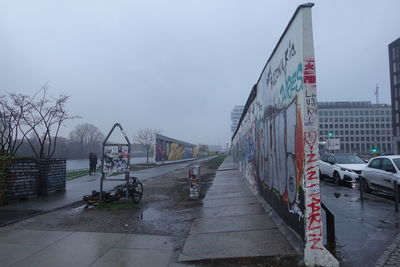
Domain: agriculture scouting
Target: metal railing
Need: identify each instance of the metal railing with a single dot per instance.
(330, 227)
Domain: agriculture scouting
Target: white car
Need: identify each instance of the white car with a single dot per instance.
(341, 167)
(381, 173)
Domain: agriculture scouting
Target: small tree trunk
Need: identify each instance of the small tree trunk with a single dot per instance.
(147, 155)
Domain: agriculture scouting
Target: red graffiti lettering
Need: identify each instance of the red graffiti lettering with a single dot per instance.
(315, 243)
(310, 138)
(310, 79)
(316, 228)
(312, 175)
(311, 157)
(311, 185)
(315, 205)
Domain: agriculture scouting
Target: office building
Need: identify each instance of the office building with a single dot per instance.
(235, 117)
(361, 127)
(394, 66)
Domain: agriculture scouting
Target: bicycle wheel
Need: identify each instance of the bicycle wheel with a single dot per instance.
(137, 192)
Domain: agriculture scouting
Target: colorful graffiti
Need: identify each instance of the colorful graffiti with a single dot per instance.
(168, 149)
(275, 144)
(115, 159)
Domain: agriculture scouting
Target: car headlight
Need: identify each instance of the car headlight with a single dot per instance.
(346, 170)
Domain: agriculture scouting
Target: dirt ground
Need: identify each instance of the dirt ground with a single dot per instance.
(164, 210)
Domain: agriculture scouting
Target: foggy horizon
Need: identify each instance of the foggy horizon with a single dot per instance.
(181, 67)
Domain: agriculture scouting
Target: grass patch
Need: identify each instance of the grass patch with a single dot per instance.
(216, 162)
(183, 197)
(77, 174)
(117, 206)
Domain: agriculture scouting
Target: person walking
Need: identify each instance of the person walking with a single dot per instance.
(91, 162)
(94, 163)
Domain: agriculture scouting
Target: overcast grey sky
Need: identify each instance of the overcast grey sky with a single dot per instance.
(181, 66)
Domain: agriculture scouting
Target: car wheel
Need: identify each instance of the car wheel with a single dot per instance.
(365, 186)
(336, 178)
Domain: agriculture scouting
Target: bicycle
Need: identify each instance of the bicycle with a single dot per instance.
(134, 188)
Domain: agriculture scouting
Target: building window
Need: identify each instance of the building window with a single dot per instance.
(367, 138)
(347, 138)
(351, 132)
(346, 132)
(341, 132)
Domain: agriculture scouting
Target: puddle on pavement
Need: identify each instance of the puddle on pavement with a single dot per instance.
(149, 214)
(78, 209)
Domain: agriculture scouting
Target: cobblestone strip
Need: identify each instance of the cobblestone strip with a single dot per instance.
(391, 257)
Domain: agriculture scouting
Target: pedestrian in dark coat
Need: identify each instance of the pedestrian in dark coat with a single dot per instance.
(91, 163)
(94, 163)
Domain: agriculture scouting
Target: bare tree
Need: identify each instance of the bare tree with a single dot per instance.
(146, 137)
(13, 108)
(87, 138)
(44, 119)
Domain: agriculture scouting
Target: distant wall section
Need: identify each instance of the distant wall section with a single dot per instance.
(169, 149)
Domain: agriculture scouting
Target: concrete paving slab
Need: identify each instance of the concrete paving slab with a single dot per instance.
(238, 210)
(76, 249)
(11, 253)
(134, 258)
(228, 189)
(223, 202)
(229, 195)
(31, 237)
(232, 223)
(235, 245)
(145, 242)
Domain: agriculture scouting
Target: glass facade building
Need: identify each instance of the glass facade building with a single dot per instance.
(360, 126)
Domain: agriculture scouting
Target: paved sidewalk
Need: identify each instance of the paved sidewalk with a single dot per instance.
(58, 248)
(233, 224)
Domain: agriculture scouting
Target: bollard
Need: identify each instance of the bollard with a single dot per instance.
(396, 196)
(360, 180)
(194, 182)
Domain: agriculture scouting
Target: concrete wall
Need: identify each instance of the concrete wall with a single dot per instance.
(276, 143)
(168, 149)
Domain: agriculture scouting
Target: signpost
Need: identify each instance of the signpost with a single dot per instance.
(116, 158)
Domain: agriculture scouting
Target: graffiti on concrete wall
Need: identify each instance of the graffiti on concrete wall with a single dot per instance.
(168, 149)
(276, 143)
(269, 144)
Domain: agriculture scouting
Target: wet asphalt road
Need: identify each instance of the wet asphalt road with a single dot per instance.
(363, 229)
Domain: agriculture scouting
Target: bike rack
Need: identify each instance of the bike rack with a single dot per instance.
(115, 155)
